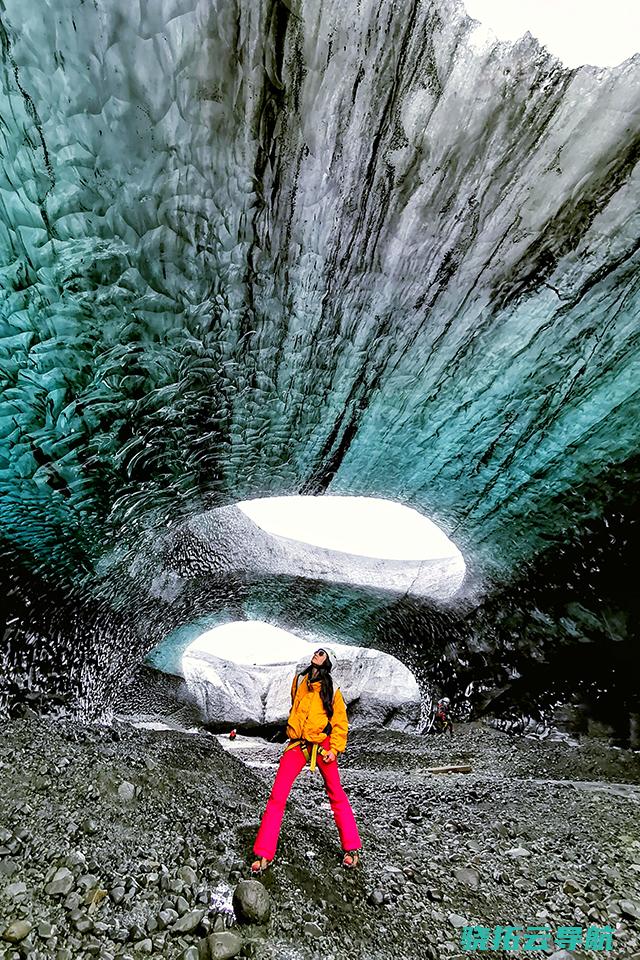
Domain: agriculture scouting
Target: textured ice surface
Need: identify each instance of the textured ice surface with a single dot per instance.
(268, 248)
(252, 249)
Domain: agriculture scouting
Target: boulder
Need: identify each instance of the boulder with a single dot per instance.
(188, 922)
(62, 883)
(17, 931)
(126, 791)
(251, 902)
(468, 876)
(220, 946)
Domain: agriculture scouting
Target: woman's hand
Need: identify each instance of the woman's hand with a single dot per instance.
(329, 756)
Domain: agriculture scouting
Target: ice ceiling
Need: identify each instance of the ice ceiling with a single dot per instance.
(268, 248)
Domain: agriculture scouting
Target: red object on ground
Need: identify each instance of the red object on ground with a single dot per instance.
(233, 735)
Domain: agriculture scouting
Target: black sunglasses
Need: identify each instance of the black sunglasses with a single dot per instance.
(323, 652)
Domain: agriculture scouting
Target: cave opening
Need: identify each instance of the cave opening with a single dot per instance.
(239, 674)
(363, 526)
(577, 33)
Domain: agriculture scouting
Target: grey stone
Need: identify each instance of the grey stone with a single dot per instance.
(251, 902)
(521, 883)
(516, 852)
(468, 876)
(62, 884)
(76, 859)
(117, 894)
(16, 889)
(73, 901)
(87, 881)
(45, 930)
(8, 868)
(629, 908)
(126, 791)
(144, 946)
(188, 922)
(456, 920)
(220, 946)
(166, 917)
(181, 906)
(571, 887)
(189, 875)
(376, 898)
(311, 929)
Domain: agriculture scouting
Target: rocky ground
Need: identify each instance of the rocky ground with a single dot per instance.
(120, 842)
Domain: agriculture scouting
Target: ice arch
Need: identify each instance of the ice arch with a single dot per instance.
(359, 541)
(240, 672)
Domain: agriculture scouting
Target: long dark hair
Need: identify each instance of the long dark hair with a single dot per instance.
(326, 684)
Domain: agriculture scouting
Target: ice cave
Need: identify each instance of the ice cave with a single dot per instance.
(325, 251)
(256, 251)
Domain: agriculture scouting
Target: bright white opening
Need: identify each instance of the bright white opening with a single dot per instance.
(576, 31)
(251, 642)
(361, 526)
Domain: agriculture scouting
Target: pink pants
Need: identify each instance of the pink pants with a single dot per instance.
(291, 763)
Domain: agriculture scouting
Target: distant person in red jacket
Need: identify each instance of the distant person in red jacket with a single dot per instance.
(233, 734)
(442, 718)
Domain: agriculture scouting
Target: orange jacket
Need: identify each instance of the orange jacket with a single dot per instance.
(308, 718)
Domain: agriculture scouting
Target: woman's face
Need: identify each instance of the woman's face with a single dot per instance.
(318, 658)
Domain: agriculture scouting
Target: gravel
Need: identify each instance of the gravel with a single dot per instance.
(538, 833)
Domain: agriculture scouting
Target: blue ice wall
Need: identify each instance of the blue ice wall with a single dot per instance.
(264, 247)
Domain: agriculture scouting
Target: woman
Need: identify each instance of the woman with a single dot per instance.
(317, 730)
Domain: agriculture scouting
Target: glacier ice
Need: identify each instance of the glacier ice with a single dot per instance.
(271, 248)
